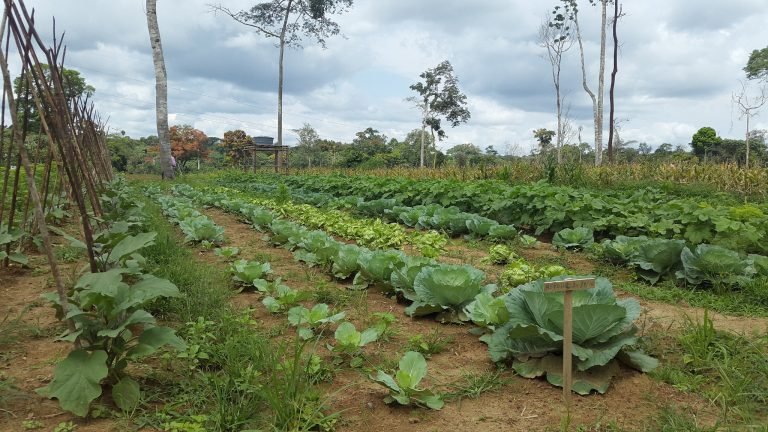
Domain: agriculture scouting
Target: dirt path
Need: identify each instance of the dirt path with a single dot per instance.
(522, 405)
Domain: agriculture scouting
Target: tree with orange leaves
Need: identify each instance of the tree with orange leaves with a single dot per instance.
(187, 143)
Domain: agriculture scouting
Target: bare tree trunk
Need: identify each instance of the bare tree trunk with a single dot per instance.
(746, 141)
(612, 120)
(601, 86)
(281, 76)
(161, 90)
(597, 118)
(421, 153)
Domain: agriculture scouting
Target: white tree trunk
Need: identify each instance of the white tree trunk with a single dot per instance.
(161, 90)
(600, 87)
(597, 118)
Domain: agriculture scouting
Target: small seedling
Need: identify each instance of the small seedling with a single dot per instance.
(403, 387)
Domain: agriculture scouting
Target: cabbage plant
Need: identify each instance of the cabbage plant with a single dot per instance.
(404, 386)
(603, 331)
(404, 275)
(345, 262)
(350, 341)
(447, 288)
(376, 267)
(247, 273)
(307, 320)
(501, 233)
(622, 249)
(714, 264)
(228, 252)
(201, 228)
(576, 238)
(658, 258)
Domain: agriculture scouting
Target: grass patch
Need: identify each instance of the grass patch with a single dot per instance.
(472, 385)
(751, 300)
(234, 376)
(730, 370)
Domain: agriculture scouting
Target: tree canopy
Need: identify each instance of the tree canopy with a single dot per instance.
(187, 143)
(757, 65)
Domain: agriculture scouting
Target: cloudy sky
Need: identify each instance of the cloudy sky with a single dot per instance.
(680, 61)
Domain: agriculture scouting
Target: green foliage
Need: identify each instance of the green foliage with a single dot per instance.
(8, 237)
(521, 272)
(201, 228)
(500, 254)
(757, 65)
(447, 289)
(404, 386)
(376, 267)
(603, 330)
(228, 253)
(432, 343)
(281, 297)
(576, 238)
(250, 273)
(622, 249)
(487, 311)
(350, 341)
(113, 329)
(658, 258)
(714, 264)
(309, 320)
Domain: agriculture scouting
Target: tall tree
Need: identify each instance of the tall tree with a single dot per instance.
(612, 128)
(569, 13)
(439, 97)
(289, 21)
(188, 143)
(557, 40)
(234, 144)
(75, 87)
(308, 139)
(161, 90)
(544, 137)
(748, 106)
(703, 141)
(757, 65)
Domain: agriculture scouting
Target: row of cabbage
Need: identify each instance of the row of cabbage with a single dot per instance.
(541, 207)
(523, 326)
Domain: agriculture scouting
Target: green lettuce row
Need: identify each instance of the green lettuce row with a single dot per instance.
(543, 207)
(450, 220)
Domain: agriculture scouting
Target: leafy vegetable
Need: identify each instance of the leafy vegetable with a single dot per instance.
(502, 233)
(658, 258)
(709, 263)
(447, 288)
(487, 311)
(308, 320)
(200, 228)
(247, 273)
(376, 267)
(283, 297)
(622, 249)
(602, 328)
(228, 252)
(403, 388)
(345, 261)
(350, 341)
(500, 254)
(576, 238)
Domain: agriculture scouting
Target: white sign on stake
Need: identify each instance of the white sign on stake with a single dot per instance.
(567, 287)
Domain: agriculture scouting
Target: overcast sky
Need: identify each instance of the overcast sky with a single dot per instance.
(679, 63)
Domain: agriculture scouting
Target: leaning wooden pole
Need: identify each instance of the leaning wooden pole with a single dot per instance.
(19, 143)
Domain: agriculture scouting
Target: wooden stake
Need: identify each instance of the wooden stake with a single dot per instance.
(567, 287)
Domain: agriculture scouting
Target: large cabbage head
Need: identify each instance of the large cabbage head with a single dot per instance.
(603, 330)
(447, 288)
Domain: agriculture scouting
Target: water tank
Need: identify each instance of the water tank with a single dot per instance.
(263, 141)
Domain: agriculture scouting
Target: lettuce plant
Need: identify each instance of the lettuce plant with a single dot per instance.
(307, 320)
(576, 238)
(447, 289)
(404, 386)
(714, 264)
(517, 273)
(500, 254)
(603, 330)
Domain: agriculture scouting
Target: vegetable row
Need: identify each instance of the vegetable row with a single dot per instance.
(523, 326)
(542, 207)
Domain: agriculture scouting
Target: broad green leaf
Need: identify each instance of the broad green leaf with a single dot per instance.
(638, 360)
(18, 258)
(126, 394)
(589, 320)
(137, 317)
(77, 380)
(153, 338)
(387, 380)
(131, 244)
(413, 368)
